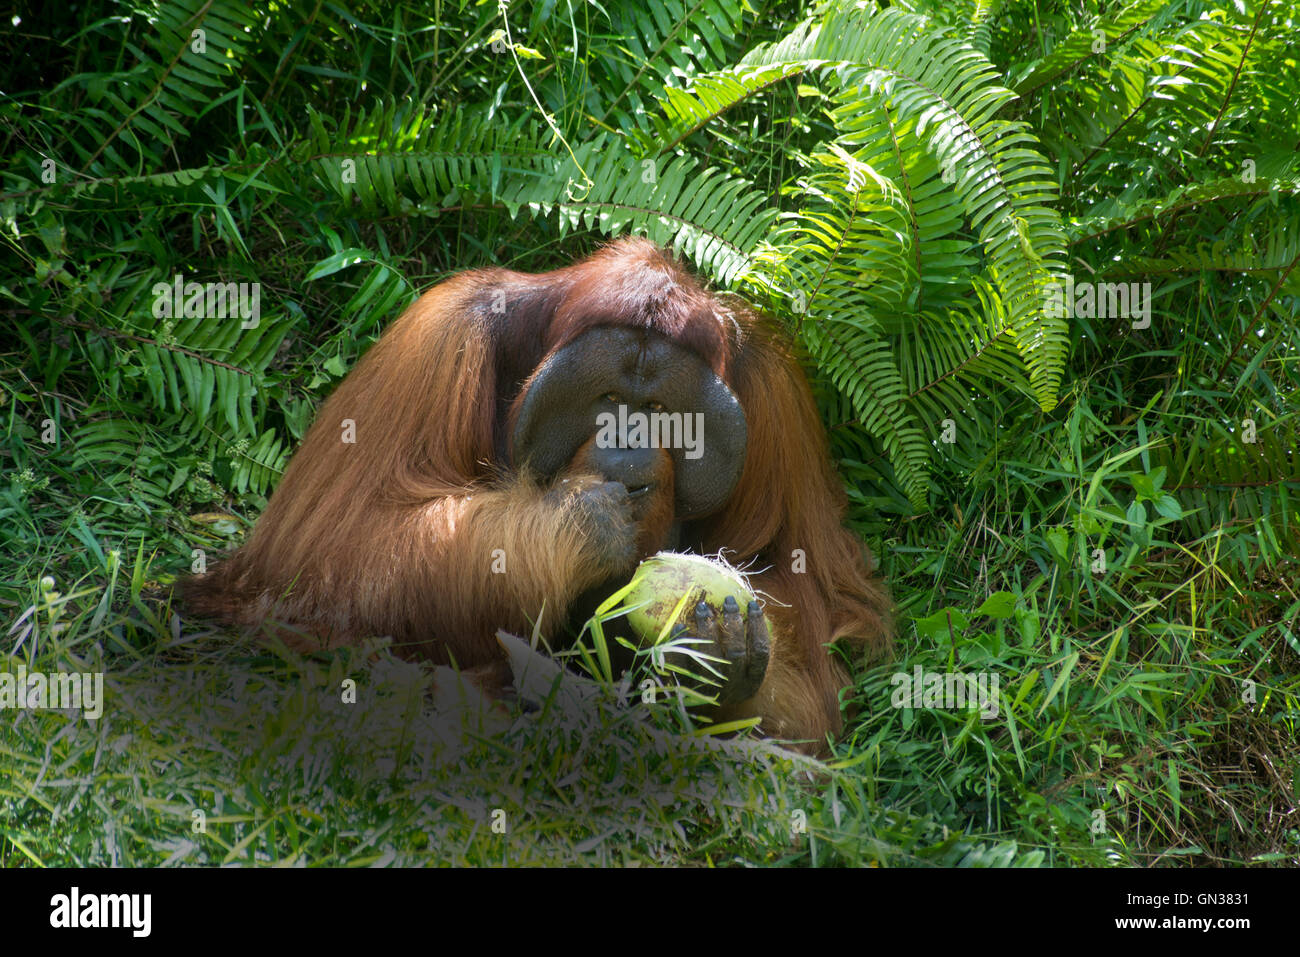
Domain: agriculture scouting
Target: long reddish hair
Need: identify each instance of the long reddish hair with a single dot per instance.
(397, 532)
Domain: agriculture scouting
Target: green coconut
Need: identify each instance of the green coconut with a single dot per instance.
(663, 579)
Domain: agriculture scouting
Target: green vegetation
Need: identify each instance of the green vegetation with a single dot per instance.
(1043, 259)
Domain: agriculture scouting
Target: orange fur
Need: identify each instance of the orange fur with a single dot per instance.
(403, 532)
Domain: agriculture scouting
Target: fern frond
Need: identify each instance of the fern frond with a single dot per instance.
(657, 45)
(711, 216)
(1087, 43)
(1272, 247)
(710, 96)
(402, 158)
(131, 119)
(1224, 477)
(257, 466)
(1117, 214)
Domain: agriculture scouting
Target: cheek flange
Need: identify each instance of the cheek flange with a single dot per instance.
(562, 399)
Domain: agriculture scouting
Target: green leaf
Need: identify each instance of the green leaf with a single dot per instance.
(1000, 604)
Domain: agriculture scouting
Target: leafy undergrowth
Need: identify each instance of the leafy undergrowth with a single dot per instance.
(1154, 722)
(1100, 511)
(211, 751)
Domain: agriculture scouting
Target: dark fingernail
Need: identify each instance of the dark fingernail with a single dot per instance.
(730, 606)
(755, 608)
